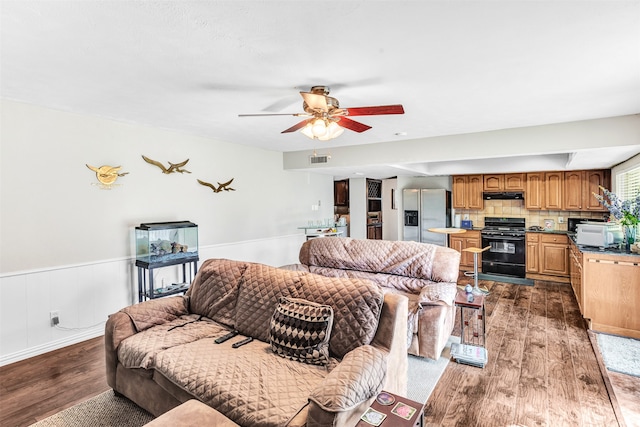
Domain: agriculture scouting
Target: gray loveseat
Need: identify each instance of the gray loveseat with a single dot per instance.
(161, 352)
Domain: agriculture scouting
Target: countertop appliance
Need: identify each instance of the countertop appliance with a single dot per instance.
(602, 235)
(572, 223)
(424, 209)
(506, 238)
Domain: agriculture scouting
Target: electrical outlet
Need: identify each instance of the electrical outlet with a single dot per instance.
(560, 220)
(55, 318)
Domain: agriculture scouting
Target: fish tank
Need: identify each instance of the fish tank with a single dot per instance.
(161, 244)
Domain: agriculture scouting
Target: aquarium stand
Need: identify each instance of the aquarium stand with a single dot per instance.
(146, 289)
(164, 244)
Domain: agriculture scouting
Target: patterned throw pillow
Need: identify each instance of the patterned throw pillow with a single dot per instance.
(300, 330)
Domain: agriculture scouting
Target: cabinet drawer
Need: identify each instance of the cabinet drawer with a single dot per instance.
(533, 237)
(560, 239)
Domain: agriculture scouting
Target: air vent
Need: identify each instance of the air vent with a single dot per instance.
(315, 160)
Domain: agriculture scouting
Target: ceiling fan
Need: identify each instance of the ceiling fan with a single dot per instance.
(325, 119)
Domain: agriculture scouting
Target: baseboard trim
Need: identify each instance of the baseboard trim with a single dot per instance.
(51, 346)
(505, 279)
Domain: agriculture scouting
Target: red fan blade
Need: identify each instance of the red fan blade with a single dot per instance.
(315, 101)
(375, 111)
(353, 125)
(297, 126)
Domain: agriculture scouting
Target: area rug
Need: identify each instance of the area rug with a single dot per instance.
(109, 410)
(103, 410)
(620, 354)
(425, 373)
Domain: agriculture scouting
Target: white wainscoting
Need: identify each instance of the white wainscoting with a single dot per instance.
(85, 295)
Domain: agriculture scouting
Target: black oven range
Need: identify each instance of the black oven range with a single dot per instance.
(506, 239)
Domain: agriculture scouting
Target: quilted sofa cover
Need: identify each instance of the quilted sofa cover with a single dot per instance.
(161, 352)
(427, 274)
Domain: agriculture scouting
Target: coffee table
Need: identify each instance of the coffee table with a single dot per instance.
(393, 411)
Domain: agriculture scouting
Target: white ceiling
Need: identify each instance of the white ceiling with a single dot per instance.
(458, 67)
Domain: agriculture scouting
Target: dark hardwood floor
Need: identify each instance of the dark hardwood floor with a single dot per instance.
(542, 371)
(33, 389)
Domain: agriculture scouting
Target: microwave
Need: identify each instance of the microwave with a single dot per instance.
(602, 235)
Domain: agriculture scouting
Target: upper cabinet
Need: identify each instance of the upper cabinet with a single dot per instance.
(573, 196)
(593, 180)
(534, 192)
(506, 182)
(554, 190)
(568, 191)
(341, 193)
(467, 192)
(558, 191)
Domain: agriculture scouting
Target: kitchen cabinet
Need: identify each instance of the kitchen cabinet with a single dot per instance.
(553, 190)
(493, 182)
(579, 187)
(533, 253)
(554, 255)
(593, 179)
(573, 196)
(374, 232)
(341, 193)
(534, 195)
(514, 181)
(575, 273)
(609, 291)
(547, 257)
(467, 192)
(506, 182)
(568, 191)
(469, 239)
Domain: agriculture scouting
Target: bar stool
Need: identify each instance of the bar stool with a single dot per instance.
(475, 252)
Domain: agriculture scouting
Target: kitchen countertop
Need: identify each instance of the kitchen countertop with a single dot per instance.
(589, 249)
(548, 231)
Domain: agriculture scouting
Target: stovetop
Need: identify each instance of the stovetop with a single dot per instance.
(503, 225)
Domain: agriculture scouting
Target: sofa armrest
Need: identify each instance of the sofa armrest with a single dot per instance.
(438, 293)
(133, 319)
(156, 311)
(359, 376)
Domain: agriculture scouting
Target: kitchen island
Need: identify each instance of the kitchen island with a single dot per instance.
(606, 284)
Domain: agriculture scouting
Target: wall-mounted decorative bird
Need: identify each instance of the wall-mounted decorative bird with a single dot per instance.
(173, 167)
(107, 175)
(224, 186)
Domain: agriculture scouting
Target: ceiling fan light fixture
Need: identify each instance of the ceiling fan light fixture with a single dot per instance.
(306, 131)
(319, 128)
(334, 130)
(322, 129)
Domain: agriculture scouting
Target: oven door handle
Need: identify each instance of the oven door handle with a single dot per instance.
(512, 238)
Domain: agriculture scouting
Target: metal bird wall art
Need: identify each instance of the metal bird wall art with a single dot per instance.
(107, 175)
(224, 186)
(173, 167)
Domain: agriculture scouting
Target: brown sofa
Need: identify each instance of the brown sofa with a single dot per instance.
(426, 274)
(161, 353)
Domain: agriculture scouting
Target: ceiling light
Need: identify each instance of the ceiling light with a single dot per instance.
(322, 129)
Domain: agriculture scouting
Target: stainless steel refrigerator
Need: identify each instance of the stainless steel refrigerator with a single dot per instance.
(424, 209)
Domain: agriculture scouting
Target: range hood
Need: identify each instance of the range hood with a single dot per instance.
(503, 195)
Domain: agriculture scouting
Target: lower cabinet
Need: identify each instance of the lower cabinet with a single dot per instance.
(547, 257)
(607, 287)
(469, 239)
(575, 273)
(374, 232)
(554, 254)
